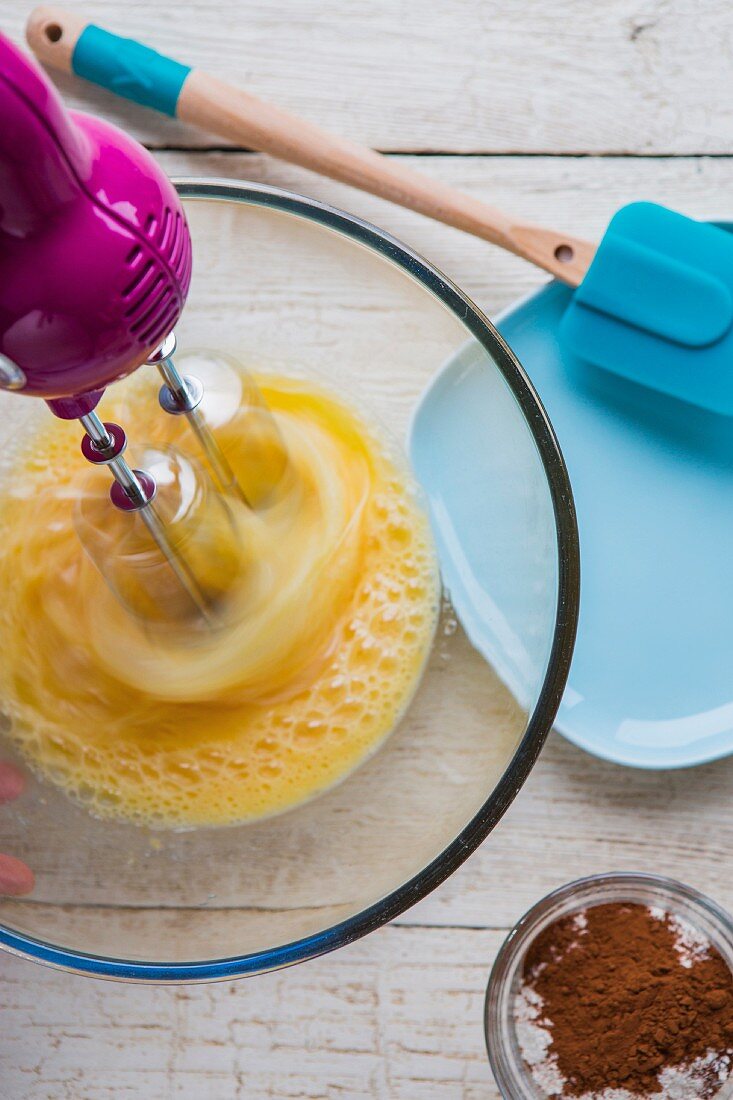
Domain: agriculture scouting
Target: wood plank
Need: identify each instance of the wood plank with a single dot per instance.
(578, 816)
(619, 76)
(396, 1016)
(578, 194)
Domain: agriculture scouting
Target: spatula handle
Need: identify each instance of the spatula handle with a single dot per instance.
(67, 42)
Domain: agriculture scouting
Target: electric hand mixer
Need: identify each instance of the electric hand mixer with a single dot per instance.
(95, 266)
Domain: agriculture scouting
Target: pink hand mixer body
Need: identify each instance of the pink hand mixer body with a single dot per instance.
(95, 266)
(95, 254)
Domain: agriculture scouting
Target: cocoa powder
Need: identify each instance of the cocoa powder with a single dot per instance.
(627, 993)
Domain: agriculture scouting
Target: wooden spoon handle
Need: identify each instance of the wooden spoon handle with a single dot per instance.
(213, 105)
(222, 109)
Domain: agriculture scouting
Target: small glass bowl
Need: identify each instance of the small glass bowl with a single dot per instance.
(509, 1068)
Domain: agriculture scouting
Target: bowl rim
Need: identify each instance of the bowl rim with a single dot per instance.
(558, 665)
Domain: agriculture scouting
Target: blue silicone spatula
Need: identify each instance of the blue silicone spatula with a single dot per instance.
(654, 301)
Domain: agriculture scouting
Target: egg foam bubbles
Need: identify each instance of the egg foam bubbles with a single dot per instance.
(332, 626)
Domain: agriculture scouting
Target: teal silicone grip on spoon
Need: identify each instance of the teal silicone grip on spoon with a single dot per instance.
(129, 69)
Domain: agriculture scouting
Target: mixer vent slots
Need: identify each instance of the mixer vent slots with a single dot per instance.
(164, 229)
(136, 284)
(178, 247)
(173, 242)
(150, 297)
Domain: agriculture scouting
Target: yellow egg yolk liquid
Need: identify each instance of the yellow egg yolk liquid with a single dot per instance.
(332, 629)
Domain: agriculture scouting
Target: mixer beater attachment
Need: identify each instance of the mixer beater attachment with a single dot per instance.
(95, 267)
(182, 395)
(134, 491)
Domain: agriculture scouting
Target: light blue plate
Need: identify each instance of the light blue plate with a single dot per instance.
(651, 683)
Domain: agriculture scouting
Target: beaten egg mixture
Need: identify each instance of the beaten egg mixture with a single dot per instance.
(325, 630)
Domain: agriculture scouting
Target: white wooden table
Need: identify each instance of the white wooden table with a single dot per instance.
(561, 111)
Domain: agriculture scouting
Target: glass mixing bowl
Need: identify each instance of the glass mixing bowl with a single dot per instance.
(289, 285)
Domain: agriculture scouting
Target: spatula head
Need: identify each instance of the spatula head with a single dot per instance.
(656, 306)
